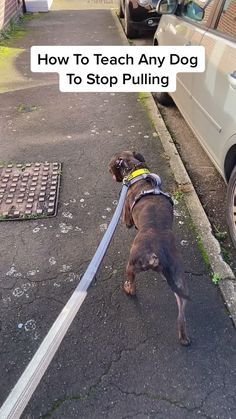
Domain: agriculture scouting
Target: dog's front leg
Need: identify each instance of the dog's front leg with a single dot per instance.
(127, 216)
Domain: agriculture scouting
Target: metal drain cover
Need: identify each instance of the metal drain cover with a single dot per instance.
(28, 190)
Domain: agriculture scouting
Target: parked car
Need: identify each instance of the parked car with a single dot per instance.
(139, 16)
(207, 100)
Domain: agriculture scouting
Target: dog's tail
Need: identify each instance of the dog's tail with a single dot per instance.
(154, 263)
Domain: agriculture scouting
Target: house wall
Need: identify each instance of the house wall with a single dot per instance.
(9, 9)
(227, 22)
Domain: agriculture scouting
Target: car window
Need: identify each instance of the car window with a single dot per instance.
(198, 10)
(227, 20)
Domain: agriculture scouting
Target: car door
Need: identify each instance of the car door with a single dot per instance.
(185, 29)
(214, 91)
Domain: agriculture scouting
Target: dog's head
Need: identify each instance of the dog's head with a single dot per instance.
(122, 164)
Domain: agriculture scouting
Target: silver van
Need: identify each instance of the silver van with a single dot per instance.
(207, 100)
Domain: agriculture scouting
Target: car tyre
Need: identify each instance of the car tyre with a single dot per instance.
(120, 13)
(231, 205)
(163, 98)
(130, 31)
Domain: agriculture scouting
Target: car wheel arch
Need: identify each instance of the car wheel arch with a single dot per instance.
(230, 162)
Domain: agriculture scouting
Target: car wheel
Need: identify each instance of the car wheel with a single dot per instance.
(130, 31)
(163, 98)
(120, 13)
(231, 206)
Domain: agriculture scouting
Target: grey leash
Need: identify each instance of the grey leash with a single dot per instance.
(27, 383)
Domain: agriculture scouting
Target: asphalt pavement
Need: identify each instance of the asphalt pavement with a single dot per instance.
(121, 357)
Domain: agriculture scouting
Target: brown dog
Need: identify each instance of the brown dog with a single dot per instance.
(154, 245)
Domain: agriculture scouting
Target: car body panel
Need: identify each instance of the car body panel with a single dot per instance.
(172, 31)
(207, 100)
(214, 99)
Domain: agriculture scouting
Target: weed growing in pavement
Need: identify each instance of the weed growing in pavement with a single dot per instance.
(220, 235)
(178, 195)
(15, 29)
(31, 216)
(22, 108)
(216, 279)
(200, 244)
(226, 254)
(203, 251)
(143, 98)
(23, 217)
(80, 397)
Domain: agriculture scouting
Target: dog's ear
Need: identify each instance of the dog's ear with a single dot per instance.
(121, 163)
(118, 163)
(114, 168)
(139, 156)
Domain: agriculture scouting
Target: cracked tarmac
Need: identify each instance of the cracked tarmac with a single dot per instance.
(120, 357)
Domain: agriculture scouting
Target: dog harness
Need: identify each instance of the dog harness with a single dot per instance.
(144, 174)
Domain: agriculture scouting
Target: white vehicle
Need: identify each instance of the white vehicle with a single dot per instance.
(207, 100)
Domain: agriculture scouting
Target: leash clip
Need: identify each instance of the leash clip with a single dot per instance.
(126, 181)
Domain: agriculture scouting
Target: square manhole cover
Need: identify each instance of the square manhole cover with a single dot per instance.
(28, 190)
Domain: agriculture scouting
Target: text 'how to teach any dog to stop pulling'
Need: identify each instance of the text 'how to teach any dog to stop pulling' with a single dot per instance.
(117, 68)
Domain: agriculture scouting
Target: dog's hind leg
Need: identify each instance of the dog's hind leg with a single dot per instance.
(129, 285)
(181, 321)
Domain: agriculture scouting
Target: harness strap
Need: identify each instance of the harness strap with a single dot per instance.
(155, 191)
(144, 174)
(137, 173)
(135, 176)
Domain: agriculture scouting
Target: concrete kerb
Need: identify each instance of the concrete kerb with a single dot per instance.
(227, 283)
(219, 267)
(119, 27)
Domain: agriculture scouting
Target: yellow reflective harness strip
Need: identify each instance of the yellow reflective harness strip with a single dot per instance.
(137, 173)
